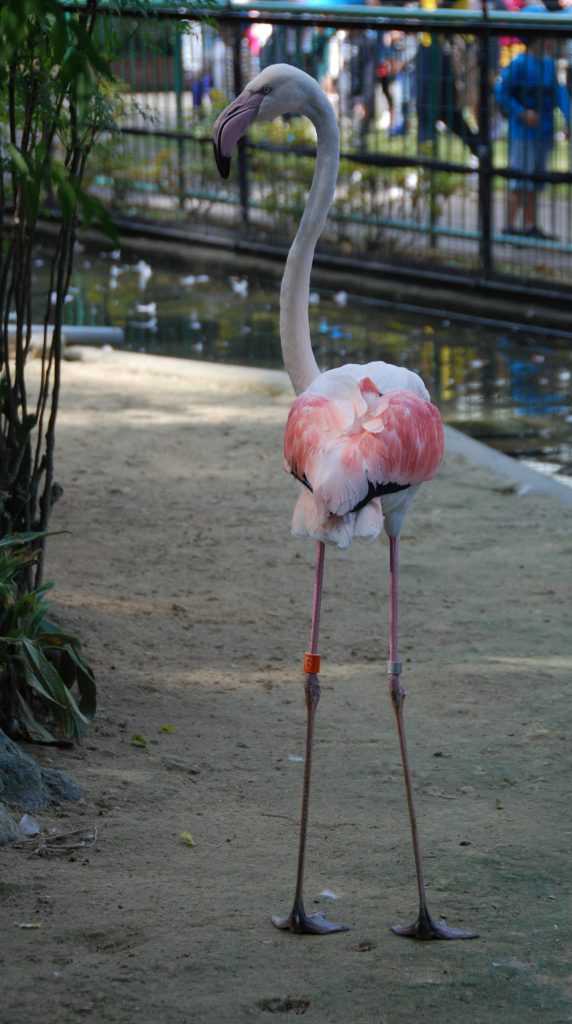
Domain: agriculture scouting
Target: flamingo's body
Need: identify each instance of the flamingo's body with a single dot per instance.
(360, 439)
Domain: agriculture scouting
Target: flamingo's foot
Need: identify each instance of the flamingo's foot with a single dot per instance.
(425, 928)
(301, 923)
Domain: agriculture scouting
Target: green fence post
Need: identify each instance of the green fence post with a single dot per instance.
(435, 71)
(485, 155)
(243, 182)
(178, 84)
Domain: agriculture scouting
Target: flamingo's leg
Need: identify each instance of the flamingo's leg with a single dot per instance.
(424, 927)
(298, 920)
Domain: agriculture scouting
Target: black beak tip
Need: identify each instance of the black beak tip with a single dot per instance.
(222, 162)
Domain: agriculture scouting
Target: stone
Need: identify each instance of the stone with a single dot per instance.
(26, 784)
(9, 828)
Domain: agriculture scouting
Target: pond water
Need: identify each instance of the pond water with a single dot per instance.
(508, 388)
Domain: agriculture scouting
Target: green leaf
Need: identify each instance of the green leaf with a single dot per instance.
(61, 695)
(137, 740)
(106, 224)
(48, 685)
(12, 565)
(67, 198)
(15, 539)
(89, 207)
(33, 727)
(59, 39)
(31, 190)
(33, 681)
(85, 681)
(18, 160)
(39, 656)
(93, 209)
(72, 65)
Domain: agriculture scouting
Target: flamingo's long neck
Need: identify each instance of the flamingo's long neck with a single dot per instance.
(295, 292)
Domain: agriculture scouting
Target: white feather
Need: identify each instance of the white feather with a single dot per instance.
(369, 521)
(385, 376)
(364, 525)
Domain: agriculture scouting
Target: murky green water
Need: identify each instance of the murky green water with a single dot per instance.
(507, 388)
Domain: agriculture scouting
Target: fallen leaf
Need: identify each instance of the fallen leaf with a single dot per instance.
(138, 741)
(187, 839)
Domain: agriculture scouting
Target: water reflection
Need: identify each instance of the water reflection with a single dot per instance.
(509, 389)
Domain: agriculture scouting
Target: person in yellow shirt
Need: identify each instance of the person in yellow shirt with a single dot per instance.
(437, 91)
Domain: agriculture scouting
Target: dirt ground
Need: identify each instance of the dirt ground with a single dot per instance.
(193, 603)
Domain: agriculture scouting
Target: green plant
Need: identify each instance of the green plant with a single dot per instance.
(53, 104)
(40, 665)
(58, 95)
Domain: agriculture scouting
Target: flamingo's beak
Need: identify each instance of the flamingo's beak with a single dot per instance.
(231, 125)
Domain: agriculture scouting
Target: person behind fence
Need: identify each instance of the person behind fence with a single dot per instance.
(395, 53)
(528, 92)
(438, 93)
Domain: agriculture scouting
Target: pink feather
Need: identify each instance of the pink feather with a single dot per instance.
(350, 438)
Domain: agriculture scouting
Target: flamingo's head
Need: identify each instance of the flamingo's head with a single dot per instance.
(279, 89)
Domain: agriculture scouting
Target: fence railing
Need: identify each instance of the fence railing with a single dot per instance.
(439, 175)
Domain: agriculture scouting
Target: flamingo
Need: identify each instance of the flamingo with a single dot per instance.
(359, 439)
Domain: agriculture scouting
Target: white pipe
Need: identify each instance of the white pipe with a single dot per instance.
(78, 335)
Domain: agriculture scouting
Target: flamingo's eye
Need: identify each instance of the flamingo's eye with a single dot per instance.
(267, 89)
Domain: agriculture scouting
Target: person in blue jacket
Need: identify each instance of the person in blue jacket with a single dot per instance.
(528, 92)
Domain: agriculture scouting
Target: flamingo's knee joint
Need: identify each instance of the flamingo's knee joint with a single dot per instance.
(312, 689)
(396, 692)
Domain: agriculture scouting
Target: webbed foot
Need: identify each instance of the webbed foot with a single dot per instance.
(424, 928)
(301, 923)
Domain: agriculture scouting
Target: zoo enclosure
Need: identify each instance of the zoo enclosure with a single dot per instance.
(421, 200)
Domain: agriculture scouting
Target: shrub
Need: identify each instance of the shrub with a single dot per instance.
(47, 689)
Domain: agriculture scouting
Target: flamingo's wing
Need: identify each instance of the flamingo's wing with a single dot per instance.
(350, 451)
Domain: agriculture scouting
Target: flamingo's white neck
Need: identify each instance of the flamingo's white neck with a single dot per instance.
(297, 351)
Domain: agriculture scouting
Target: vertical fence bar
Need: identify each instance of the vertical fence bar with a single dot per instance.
(178, 86)
(435, 67)
(243, 178)
(485, 153)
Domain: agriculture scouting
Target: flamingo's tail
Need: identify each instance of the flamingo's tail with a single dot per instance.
(366, 524)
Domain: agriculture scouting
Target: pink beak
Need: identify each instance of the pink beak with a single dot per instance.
(231, 125)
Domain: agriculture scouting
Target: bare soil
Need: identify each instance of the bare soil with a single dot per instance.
(193, 603)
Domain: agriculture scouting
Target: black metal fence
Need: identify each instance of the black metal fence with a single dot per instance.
(440, 175)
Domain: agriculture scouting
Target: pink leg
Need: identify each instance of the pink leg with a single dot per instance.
(298, 920)
(424, 927)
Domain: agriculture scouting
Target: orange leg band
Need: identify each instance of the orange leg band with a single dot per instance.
(311, 663)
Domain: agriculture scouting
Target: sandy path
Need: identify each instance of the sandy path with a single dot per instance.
(193, 603)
